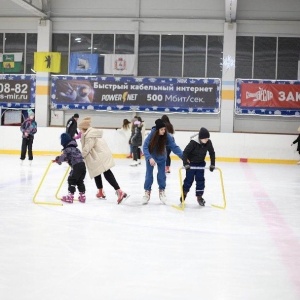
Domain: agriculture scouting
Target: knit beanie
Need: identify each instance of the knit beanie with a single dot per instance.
(159, 124)
(203, 133)
(65, 139)
(76, 116)
(30, 113)
(85, 123)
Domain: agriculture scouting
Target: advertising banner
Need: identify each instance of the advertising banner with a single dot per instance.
(17, 91)
(134, 93)
(267, 97)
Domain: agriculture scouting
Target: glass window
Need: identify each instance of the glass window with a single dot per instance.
(148, 55)
(1, 42)
(60, 43)
(288, 57)
(214, 56)
(81, 43)
(194, 56)
(103, 43)
(124, 44)
(264, 58)
(15, 43)
(244, 55)
(171, 55)
(31, 47)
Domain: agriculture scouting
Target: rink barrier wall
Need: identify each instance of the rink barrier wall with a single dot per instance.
(229, 147)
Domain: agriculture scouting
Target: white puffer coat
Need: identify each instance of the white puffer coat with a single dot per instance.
(98, 157)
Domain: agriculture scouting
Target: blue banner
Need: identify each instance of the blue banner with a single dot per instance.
(17, 91)
(83, 63)
(192, 95)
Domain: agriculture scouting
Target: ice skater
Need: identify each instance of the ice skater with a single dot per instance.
(156, 154)
(28, 129)
(297, 140)
(72, 155)
(98, 158)
(194, 163)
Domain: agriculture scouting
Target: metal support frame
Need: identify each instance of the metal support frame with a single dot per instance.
(182, 206)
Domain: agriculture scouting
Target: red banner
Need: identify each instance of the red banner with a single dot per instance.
(268, 95)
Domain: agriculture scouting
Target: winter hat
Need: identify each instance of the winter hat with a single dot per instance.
(159, 124)
(85, 123)
(30, 113)
(76, 116)
(203, 133)
(65, 139)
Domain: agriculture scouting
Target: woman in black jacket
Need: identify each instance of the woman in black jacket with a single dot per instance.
(297, 140)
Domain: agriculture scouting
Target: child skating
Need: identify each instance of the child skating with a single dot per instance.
(72, 155)
(194, 163)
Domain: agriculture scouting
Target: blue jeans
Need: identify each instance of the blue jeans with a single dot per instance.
(161, 175)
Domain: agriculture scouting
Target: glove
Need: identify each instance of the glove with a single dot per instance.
(211, 168)
(78, 136)
(187, 167)
(56, 160)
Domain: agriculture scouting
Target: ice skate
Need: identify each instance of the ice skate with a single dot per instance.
(121, 196)
(184, 196)
(201, 201)
(134, 163)
(101, 194)
(68, 198)
(82, 197)
(162, 196)
(146, 197)
(139, 161)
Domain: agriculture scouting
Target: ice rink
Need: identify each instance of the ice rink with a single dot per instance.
(101, 250)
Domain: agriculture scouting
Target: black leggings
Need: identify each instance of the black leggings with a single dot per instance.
(27, 144)
(76, 178)
(136, 151)
(109, 176)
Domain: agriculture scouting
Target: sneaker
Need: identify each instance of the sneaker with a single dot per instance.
(167, 170)
(184, 196)
(121, 195)
(134, 163)
(146, 197)
(162, 196)
(101, 194)
(69, 198)
(82, 197)
(201, 201)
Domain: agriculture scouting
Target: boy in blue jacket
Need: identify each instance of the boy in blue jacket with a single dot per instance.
(155, 154)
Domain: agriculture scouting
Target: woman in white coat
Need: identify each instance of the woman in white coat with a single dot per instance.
(98, 158)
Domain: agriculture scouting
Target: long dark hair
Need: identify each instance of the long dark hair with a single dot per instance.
(158, 142)
(169, 126)
(126, 124)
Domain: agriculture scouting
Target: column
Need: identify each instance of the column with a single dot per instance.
(228, 77)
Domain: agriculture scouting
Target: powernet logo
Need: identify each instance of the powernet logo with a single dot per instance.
(123, 97)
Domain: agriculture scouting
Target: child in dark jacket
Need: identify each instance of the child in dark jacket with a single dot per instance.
(136, 141)
(297, 140)
(28, 129)
(194, 163)
(73, 156)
